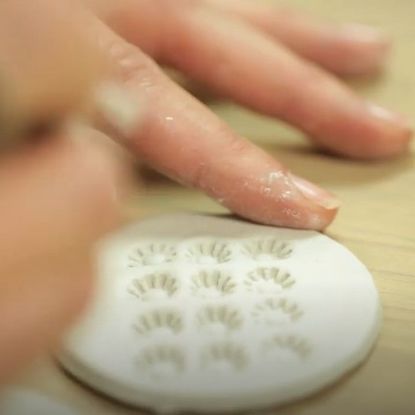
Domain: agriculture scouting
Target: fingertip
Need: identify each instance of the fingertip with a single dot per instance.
(315, 193)
(313, 209)
(320, 220)
(361, 50)
(391, 134)
(364, 35)
(278, 198)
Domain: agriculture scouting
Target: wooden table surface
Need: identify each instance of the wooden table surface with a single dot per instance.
(377, 223)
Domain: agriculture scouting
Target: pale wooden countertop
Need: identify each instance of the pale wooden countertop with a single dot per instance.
(377, 222)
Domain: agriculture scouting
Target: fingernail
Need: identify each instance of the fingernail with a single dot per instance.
(316, 194)
(118, 106)
(363, 33)
(387, 115)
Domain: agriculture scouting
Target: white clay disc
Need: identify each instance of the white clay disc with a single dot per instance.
(22, 402)
(214, 314)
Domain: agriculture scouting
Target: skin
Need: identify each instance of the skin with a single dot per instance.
(52, 191)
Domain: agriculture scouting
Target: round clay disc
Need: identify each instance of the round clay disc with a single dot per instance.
(24, 402)
(212, 314)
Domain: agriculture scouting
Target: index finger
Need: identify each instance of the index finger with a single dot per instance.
(182, 139)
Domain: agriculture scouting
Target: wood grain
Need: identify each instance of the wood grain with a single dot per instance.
(377, 222)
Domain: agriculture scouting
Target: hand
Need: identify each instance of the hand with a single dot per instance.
(56, 197)
(59, 197)
(181, 138)
(255, 55)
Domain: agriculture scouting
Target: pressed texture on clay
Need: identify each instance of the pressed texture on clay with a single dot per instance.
(206, 313)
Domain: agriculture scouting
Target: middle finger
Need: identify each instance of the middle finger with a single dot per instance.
(247, 66)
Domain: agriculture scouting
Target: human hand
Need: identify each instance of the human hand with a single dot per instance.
(56, 197)
(181, 138)
(254, 55)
